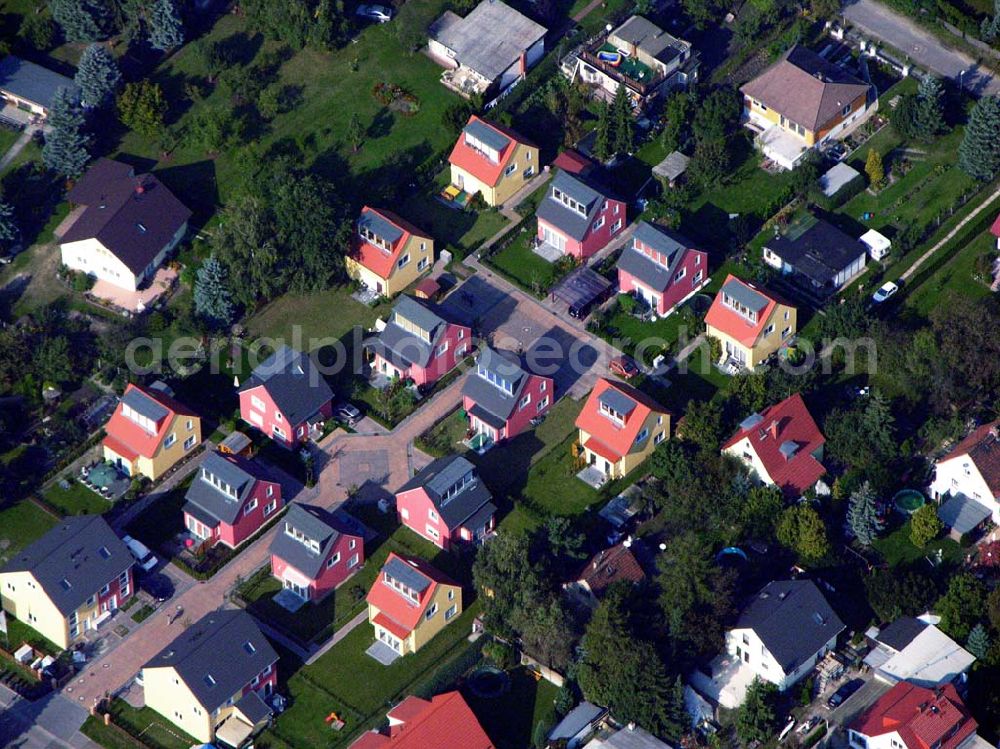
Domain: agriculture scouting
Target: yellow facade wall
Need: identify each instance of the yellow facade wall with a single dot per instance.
(810, 138)
(167, 694)
(764, 346)
(24, 599)
(525, 157)
(629, 462)
(400, 278)
(164, 458)
(426, 629)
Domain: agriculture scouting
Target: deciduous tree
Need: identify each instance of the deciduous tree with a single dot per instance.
(142, 107)
(874, 169)
(925, 526)
(802, 530)
(962, 605)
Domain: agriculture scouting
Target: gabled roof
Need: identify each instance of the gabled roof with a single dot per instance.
(74, 560)
(394, 230)
(237, 472)
(792, 619)
(32, 82)
(295, 385)
(610, 566)
(443, 722)
(995, 227)
(922, 717)
(316, 524)
(671, 247)
(650, 38)
(805, 88)
(134, 217)
(817, 249)
(982, 447)
(505, 366)
(724, 318)
(401, 345)
(609, 438)
(901, 632)
(417, 575)
(129, 439)
(441, 476)
(475, 162)
(572, 223)
(787, 425)
(217, 656)
(489, 39)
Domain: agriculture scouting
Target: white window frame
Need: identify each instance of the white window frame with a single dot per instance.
(270, 507)
(250, 507)
(257, 403)
(333, 561)
(403, 261)
(170, 440)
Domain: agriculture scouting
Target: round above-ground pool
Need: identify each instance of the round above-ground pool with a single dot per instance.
(488, 682)
(908, 501)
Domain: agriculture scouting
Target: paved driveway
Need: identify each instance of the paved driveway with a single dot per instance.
(52, 722)
(925, 49)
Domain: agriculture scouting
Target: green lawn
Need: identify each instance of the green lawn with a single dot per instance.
(20, 524)
(510, 719)
(19, 633)
(552, 486)
(522, 265)
(154, 730)
(460, 232)
(8, 136)
(76, 500)
(897, 549)
(956, 275)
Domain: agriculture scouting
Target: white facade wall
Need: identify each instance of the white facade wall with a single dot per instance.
(91, 257)
(744, 452)
(959, 475)
(750, 649)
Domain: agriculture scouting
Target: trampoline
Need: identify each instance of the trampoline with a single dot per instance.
(908, 501)
(488, 682)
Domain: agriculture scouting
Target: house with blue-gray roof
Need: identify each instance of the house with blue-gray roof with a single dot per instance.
(577, 217)
(30, 87)
(661, 268)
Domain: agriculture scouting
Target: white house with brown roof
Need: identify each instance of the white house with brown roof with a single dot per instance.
(802, 101)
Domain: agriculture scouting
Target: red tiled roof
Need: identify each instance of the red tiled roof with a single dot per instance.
(611, 566)
(401, 610)
(614, 441)
(472, 161)
(443, 722)
(735, 325)
(383, 621)
(788, 421)
(995, 229)
(375, 259)
(573, 162)
(983, 448)
(922, 717)
(128, 439)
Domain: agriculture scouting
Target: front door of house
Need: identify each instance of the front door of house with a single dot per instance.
(554, 238)
(110, 605)
(299, 590)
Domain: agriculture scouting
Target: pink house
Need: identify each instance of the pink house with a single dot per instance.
(286, 398)
(230, 499)
(418, 344)
(315, 551)
(577, 218)
(501, 397)
(447, 503)
(661, 268)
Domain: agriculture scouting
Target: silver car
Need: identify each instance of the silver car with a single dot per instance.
(377, 13)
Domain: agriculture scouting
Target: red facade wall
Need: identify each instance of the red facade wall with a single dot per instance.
(294, 434)
(593, 240)
(538, 388)
(266, 684)
(246, 525)
(329, 577)
(678, 290)
(459, 340)
(413, 510)
(115, 590)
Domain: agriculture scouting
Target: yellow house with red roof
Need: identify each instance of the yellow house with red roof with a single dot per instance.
(491, 160)
(388, 253)
(149, 432)
(620, 427)
(409, 603)
(750, 323)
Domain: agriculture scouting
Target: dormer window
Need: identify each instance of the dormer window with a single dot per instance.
(143, 422)
(371, 237)
(739, 308)
(310, 543)
(481, 148)
(492, 377)
(458, 486)
(411, 327)
(219, 484)
(612, 413)
(569, 202)
(400, 588)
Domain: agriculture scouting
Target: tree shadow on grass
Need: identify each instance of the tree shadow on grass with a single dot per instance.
(381, 124)
(196, 185)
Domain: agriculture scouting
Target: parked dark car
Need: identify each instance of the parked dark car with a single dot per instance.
(158, 585)
(841, 696)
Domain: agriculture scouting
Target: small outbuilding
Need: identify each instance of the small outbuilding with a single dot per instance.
(582, 289)
(962, 515)
(672, 168)
(878, 244)
(836, 178)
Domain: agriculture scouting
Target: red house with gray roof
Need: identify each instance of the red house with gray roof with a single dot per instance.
(442, 722)
(286, 398)
(782, 445)
(661, 268)
(125, 225)
(913, 717)
(577, 217)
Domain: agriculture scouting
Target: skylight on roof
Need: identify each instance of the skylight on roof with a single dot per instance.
(65, 584)
(210, 680)
(103, 551)
(248, 646)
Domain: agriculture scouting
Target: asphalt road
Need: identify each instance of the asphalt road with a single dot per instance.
(52, 722)
(926, 50)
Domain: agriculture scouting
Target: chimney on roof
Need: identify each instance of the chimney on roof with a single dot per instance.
(139, 189)
(995, 431)
(598, 559)
(773, 429)
(523, 63)
(627, 543)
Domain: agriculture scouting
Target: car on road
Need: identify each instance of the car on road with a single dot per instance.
(843, 694)
(346, 414)
(624, 366)
(377, 13)
(885, 291)
(147, 561)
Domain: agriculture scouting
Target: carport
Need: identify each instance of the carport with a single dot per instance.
(581, 288)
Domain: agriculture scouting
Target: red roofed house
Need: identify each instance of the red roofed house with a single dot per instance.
(388, 253)
(491, 160)
(912, 717)
(782, 445)
(995, 231)
(604, 569)
(409, 603)
(750, 323)
(972, 471)
(149, 432)
(501, 397)
(442, 722)
(661, 268)
(286, 398)
(620, 427)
